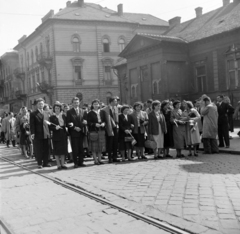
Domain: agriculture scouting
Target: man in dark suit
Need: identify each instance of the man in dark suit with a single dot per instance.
(111, 116)
(40, 134)
(223, 128)
(76, 122)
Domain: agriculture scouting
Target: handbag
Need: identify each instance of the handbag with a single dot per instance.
(93, 136)
(150, 144)
(128, 139)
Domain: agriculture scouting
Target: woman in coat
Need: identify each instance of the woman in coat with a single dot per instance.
(10, 130)
(168, 136)
(193, 135)
(157, 128)
(179, 128)
(96, 127)
(140, 121)
(59, 136)
(125, 132)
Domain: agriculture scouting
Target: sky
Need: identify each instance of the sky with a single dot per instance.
(22, 17)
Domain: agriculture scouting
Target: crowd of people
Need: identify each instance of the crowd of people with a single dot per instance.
(121, 132)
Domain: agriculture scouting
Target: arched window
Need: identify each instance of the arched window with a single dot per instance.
(121, 44)
(76, 44)
(106, 45)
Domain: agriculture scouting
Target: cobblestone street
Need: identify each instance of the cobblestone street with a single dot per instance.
(200, 194)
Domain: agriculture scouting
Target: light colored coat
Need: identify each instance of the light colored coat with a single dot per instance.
(10, 129)
(210, 121)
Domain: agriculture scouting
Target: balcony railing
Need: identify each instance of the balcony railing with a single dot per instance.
(19, 73)
(45, 59)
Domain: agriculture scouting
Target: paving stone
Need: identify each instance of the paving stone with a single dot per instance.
(229, 224)
(190, 211)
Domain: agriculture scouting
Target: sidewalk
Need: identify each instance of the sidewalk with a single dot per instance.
(234, 144)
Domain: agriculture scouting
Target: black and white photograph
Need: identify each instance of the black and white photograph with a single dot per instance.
(119, 117)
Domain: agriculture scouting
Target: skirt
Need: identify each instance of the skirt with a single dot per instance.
(60, 147)
(99, 145)
(140, 138)
(124, 145)
(159, 139)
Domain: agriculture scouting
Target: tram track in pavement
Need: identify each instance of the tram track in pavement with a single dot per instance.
(161, 225)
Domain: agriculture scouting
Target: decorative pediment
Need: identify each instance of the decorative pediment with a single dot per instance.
(77, 61)
(107, 62)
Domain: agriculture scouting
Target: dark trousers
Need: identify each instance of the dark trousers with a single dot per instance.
(210, 145)
(223, 134)
(13, 143)
(77, 150)
(41, 151)
(112, 145)
(2, 137)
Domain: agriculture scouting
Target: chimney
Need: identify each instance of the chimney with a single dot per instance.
(226, 2)
(198, 11)
(80, 3)
(68, 3)
(174, 21)
(120, 9)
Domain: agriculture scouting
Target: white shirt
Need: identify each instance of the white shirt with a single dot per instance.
(126, 117)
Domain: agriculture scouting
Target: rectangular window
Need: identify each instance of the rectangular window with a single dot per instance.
(233, 73)
(42, 75)
(78, 72)
(108, 73)
(201, 78)
(106, 47)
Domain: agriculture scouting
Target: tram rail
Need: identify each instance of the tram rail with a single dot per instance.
(159, 224)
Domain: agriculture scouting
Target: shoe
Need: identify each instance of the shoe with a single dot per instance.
(155, 157)
(227, 146)
(39, 166)
(103, 157)
(190, 155)
(47, 165)
(130, 159)
(116, 160)
(196, 155)
(96, 163)
(82, 165)
(64, 167)
(101, 163)
(144, 157)
(8, 146)
(59, 168)
(168, 156)
(221, 146)
(70, 161)
(160, 157)
(75, 166)
(123, 160)
(110, 161)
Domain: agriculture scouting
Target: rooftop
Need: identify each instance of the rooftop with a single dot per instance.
(95, 12)
(221, 20)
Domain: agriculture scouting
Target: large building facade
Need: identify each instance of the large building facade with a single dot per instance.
(73, 51)
(200, 56)
(12, 96)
